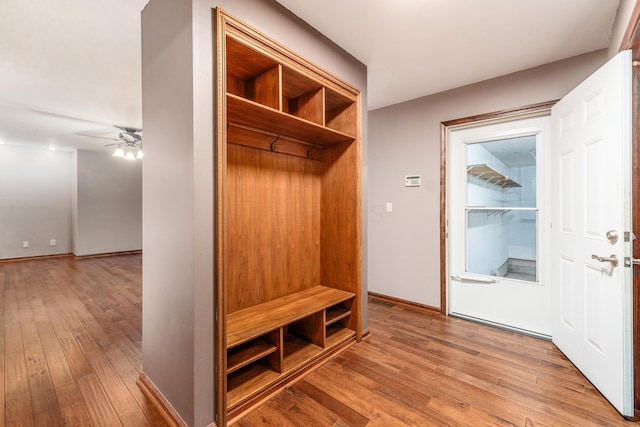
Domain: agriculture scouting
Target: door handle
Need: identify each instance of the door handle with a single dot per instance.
(613, 259)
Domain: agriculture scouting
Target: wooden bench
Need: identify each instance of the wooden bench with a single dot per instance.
(269, 341)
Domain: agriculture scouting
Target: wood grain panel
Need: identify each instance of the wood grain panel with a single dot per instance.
(341, 223)
(265, 88)
(268, 141)
(309, 106)
(273, 226)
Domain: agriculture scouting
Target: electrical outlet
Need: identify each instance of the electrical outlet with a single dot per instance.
(52, 242)
(25, 244)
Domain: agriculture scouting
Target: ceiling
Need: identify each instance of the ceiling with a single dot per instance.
(69, 67)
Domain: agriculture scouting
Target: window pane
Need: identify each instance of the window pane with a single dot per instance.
(502, 243)
(501, 208)
(502, 173)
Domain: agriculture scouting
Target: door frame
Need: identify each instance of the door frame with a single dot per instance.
(630, 40)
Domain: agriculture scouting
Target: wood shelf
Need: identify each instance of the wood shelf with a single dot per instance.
(245, 112)
(254, 379)
(488, 174)
(247, 353)
(257, 320)
(336, 313)
(337, 335)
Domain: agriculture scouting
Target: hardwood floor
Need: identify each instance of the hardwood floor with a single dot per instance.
(420, 368)
(71, 343)
(71, 354)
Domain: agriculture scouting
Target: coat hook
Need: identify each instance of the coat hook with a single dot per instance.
(310, 150)
(272, 147)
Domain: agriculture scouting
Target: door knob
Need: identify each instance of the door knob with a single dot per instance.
(613, 259)
(612, 235)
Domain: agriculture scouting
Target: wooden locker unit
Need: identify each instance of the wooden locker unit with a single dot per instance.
(288, 213)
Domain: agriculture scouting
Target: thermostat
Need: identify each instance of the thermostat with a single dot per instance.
(412, 181)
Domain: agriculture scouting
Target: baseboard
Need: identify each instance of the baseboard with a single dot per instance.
(165, 408)
(407, 303)
(35, 257)
(106, 254)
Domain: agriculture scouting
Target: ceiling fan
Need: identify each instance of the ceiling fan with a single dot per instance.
(128, 143)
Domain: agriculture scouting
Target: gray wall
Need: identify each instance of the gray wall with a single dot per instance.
(625, 9)
(178, 198)
(35, 201)
(108, 204)
(404, 139)
(89, 202)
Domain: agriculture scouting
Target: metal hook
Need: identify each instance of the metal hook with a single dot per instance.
(272, 146)
(310, 150)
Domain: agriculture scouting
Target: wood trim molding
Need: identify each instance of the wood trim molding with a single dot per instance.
(36, 257)
(220, 351)
(40, 257)
(106, 254)
(443, 220)
(404, 302)
(501, 115)
(151, 391)
(496, 116)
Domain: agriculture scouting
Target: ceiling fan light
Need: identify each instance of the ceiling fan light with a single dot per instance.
(140, 155)
(130, 156)
(118, 153)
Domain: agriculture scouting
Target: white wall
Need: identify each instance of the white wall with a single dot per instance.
(35, 201)
(178, 182)
(108, 215)
(404, 245)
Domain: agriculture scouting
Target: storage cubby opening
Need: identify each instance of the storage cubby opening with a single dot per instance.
(252, 75)
(336, 335)
(302, 96)
(249, 352)
(340, 112)
(336, 314)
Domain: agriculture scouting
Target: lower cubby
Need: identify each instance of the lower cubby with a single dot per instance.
(276, 353)
(257, 378)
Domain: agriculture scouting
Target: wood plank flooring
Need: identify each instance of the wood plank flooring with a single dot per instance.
(423, 369)
(71, 353)
(71, 345)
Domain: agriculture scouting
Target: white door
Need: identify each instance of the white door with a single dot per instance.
(591, 296)
(496, 208)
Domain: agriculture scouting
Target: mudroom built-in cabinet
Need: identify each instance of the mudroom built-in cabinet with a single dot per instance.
(288, 215)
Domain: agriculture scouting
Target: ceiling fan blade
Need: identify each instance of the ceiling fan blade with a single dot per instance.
(99, 137)
(128, 129)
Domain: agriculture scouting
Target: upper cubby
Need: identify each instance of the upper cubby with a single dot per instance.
(275, 101)
(302, 96)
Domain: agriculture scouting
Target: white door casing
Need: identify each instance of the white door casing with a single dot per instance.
(591, 194)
